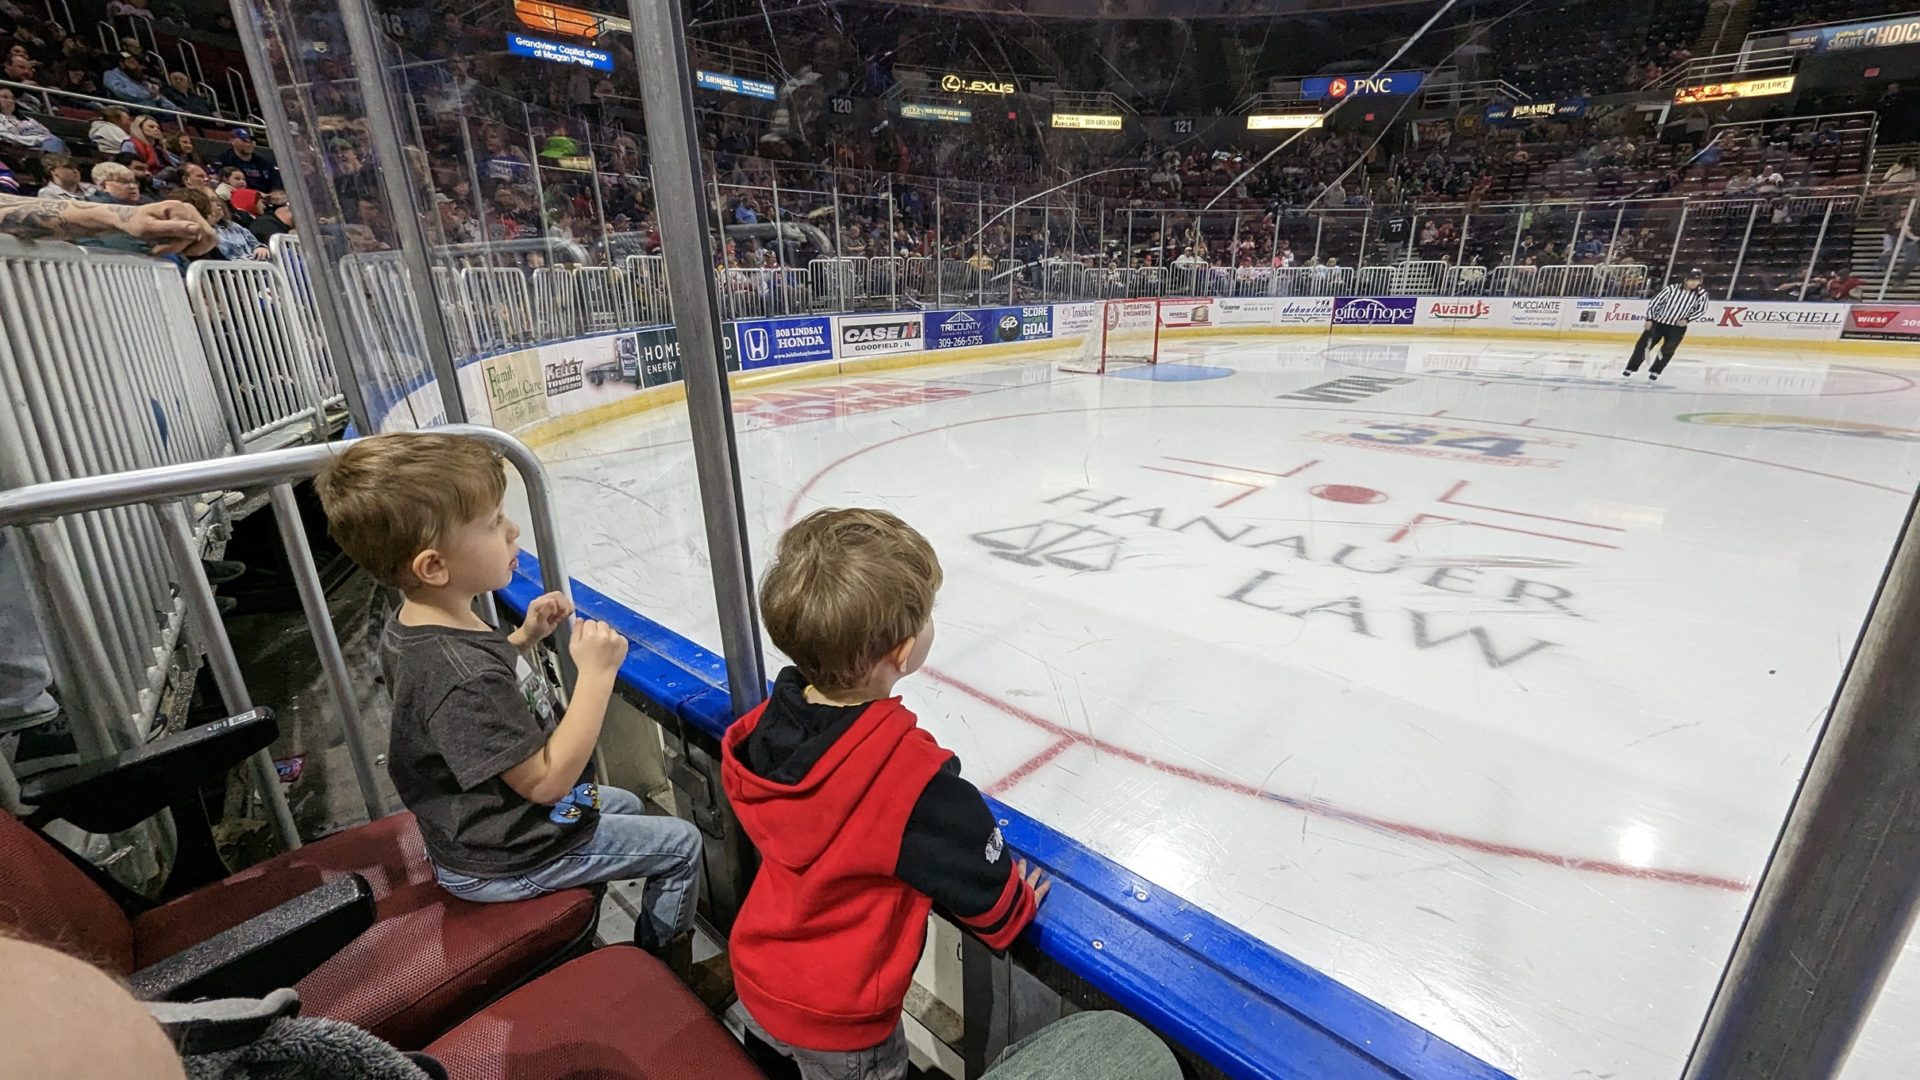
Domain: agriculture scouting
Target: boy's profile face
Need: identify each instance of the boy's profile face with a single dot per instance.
(477, 557)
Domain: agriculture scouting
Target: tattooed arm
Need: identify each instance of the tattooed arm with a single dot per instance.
(168, 227)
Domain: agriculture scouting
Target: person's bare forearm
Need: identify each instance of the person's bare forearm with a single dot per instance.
(59, 219)
(571, 745)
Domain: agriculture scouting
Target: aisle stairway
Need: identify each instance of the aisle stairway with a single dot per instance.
(1725, 27)
(1877, 215)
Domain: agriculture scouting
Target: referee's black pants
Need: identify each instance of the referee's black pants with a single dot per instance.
(1667, 337)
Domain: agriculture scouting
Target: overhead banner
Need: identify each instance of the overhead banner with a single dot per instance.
(1880, 34)
(734, 84)
(1335, 87)
(1088, 121)
(966, 84)
(558, 52)
(1729, 91)
(947, 113)
(1525, 112)
(1284, 121)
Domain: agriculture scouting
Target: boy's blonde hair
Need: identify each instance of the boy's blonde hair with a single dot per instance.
(845, 589)
(390, 497)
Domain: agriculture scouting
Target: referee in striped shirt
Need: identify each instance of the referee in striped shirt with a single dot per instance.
(1667, 319)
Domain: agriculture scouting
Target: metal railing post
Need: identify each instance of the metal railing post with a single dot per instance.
(306, 216)
(1740, 260)
(1893, 256)
(177, 530)
(396, 182)
(1813, 259)
(659, 40)
(1673, 255)
(1842, 885)
(313, 600)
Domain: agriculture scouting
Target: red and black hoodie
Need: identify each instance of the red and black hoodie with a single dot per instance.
(863, 824)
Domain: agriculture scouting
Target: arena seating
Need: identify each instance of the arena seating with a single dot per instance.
(615, 1012)
(426, 961)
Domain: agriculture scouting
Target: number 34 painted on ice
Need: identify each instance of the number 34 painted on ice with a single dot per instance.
(1450, 438)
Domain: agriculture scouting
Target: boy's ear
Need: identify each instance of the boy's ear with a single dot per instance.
(898, 657)
(429, 568)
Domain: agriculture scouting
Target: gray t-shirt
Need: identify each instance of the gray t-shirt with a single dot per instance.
(467, 706)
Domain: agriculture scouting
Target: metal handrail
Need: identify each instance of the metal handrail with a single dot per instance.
(96, 101)
(34, 511)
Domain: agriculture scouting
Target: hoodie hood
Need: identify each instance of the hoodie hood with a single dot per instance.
(797, 772)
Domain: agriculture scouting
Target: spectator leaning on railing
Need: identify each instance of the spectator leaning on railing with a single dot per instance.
(164, 228)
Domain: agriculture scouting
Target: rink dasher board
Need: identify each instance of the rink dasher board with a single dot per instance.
(571, 385)
(1228, 998)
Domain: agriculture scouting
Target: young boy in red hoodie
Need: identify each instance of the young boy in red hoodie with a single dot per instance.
(862, 820)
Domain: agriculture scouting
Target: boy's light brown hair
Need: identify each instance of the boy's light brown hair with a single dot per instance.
(845, 589)
(390, 497)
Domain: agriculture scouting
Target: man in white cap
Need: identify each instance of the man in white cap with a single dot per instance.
(1667, 319)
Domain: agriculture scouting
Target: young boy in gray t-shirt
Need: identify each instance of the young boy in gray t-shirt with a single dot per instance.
(490, 766)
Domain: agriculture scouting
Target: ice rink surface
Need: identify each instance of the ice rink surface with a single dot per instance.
(1467, 672)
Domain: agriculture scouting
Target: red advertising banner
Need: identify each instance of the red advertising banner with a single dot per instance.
(1883, 322)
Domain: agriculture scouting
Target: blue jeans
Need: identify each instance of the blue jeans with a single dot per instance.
(24, 672)
(887, 1061)
(627, 843)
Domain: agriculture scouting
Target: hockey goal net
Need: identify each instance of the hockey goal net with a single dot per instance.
(1125, 333)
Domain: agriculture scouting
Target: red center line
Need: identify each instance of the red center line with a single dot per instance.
(1067, 737)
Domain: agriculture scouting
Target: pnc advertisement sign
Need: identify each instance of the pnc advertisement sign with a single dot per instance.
(1335, 87)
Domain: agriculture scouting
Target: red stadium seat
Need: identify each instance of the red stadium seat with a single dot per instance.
(428, 959)
(615, 1012)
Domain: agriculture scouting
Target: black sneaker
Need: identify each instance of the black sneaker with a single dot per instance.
(1627, 373)
(45, 748)
(222, 571)
(1651, 377)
